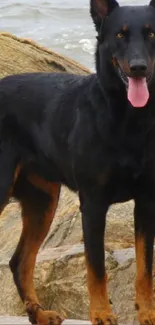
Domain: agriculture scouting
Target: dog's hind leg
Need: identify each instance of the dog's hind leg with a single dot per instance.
(39, 202)
(144, 237)
(94, 208)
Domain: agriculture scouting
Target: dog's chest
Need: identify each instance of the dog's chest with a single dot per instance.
(134, 164)
(136, 145)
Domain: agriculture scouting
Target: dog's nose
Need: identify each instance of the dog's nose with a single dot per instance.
(138, 67)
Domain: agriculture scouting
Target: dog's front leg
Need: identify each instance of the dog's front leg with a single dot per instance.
(144, 237)
(94, 210)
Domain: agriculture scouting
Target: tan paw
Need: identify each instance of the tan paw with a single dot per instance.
(47, 317)
(103, 318)
(43, 317)
(147, 317)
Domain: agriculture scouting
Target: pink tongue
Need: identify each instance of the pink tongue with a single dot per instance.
(138, 94)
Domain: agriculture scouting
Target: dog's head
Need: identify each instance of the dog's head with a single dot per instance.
(126, 35)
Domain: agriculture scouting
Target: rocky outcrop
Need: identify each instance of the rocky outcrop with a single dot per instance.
(60, 279)
(19, 55)
(24, 321)
(66, 228)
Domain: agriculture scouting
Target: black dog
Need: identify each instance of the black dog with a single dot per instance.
(95, 134)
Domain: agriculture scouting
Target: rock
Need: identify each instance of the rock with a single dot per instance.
(120, 226)
(63, 286)
(122, 293)
(124, 255)
(19, 55)
(66, 228)
(9, 320)
(60, 280)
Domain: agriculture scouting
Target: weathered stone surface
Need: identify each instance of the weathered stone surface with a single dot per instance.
(121, 288)
(66, 227)
(124, 255)
(120, 226)
(60, 279)
(8, 320)
(62, 285)
(19, 55)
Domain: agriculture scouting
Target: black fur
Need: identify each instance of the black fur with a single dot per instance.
(82, 131)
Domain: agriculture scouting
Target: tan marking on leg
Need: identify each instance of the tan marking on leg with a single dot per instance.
(100, 308)
(33, 233)
(17, 172)
(124, 28)
(42, 184)
(144, 285)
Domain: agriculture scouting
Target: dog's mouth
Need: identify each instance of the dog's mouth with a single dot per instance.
(137, 88)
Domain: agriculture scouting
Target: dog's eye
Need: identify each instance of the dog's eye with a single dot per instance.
(151, 34)
(119, 35)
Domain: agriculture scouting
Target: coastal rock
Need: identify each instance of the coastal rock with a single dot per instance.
(60, 280)
(14, 320)
(20, 55)
(66, 228)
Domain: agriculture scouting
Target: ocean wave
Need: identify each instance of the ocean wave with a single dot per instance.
(20, 12)
(63, 25)
(10, 5)
(87, 46)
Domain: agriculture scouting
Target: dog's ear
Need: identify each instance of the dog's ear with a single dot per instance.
(152, 3)
(99, 9)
